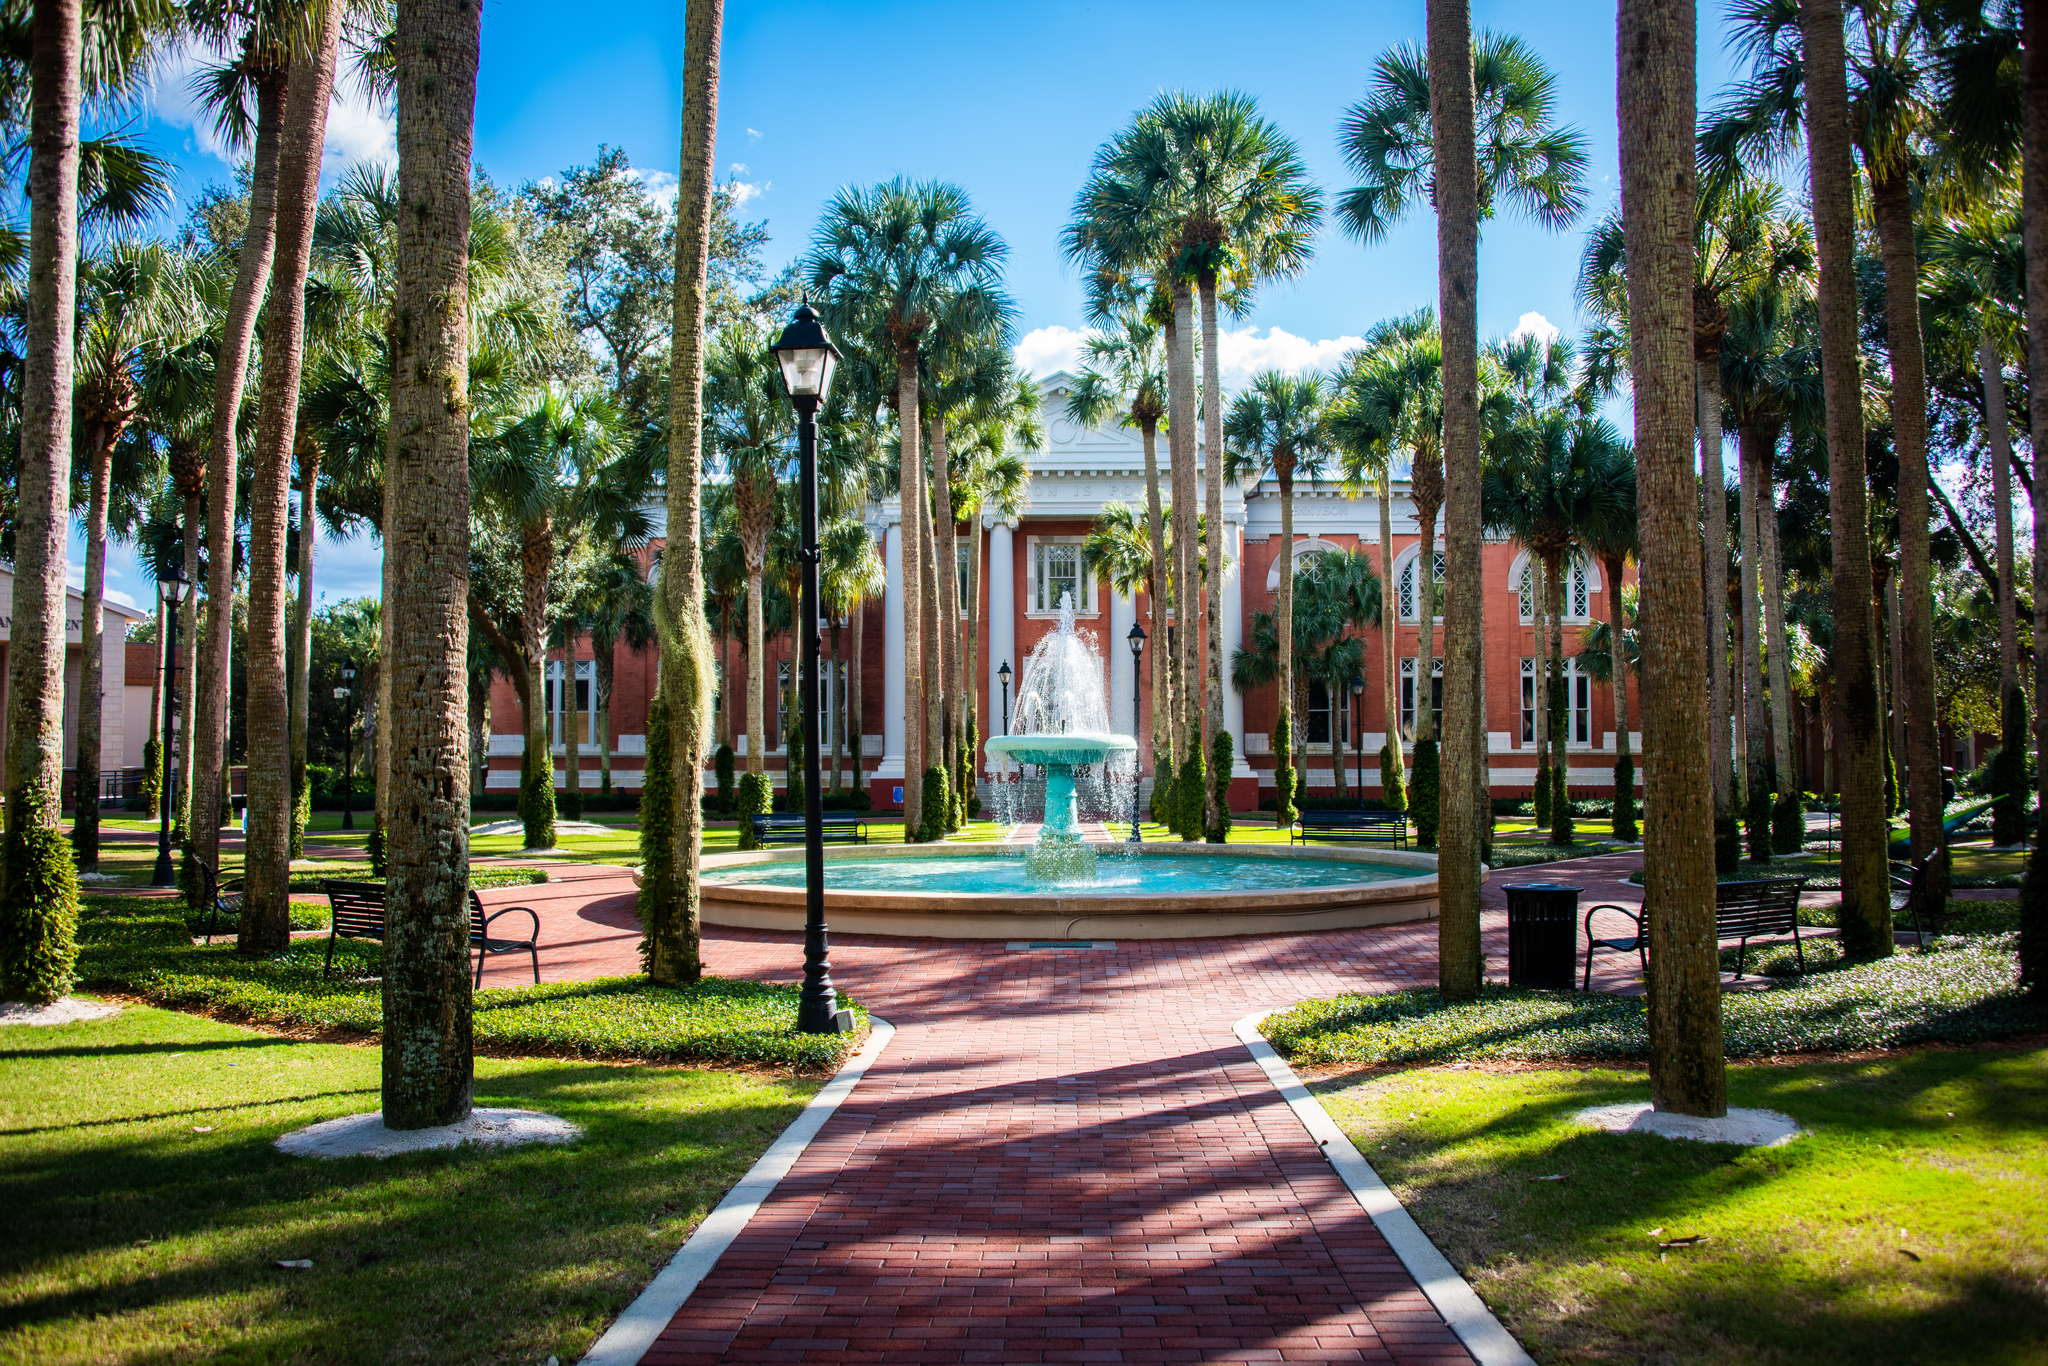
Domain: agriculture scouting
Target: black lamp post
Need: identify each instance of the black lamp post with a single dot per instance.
(342, 695)
(1003, 675)
(172, 585)
(807, 358)
(1358, 732)
(1137, 642)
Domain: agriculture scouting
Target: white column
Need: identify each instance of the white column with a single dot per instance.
(891, 765)
(1123, 614)
(1002, 621)
(1233, 636)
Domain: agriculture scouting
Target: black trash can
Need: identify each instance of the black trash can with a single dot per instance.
(1543, 920)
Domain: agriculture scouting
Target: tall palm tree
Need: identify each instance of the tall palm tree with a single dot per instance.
(670, 943)
(1655, 45)
(618, 612)
(38, 888)
(266, 909)
(1417, 133)
(1278, 424)
(428, 1055)
(1609, 534)
(2034, 215)
(887, 261)
(850, 575)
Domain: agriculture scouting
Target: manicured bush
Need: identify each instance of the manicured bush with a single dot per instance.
(1540, 798)
(1788, 824)
(1187, 813)
(2009, 767)
(152, 774)
(1963, 992)
(1563, 828)
(38, 915)
(1393, 791)
(1165, 789)
(1756, 825)
(757, 798)
(570, 807)
(938, 804)
(1425, 791)
(793, 764)
(1624, 805)
(537, 803)
(302, 813)
(379, 849)
(724, 763)
(1222, 759)
(662, 895)
(1283, 768)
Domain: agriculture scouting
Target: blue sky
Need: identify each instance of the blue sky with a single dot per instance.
(1010, 102)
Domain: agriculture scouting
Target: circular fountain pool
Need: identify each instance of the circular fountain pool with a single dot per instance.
(1151, 891)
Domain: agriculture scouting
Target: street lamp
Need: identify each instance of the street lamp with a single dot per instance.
(348, 745)
(171, 584)
(1358, 732)
(1137, 642)
(807, 358)
(1003, 674)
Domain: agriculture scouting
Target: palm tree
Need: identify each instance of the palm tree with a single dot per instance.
(266, 909)
(1656, 40)
(38, 888)
(669, 894)
(850, 574)
(428, 1056)
(2034, 216)
(887, 261)
(133, 301)
(1278, 424)
(617, 609)
(1608, 533)
(1414, 135)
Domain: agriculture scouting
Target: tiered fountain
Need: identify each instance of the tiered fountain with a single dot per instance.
(1062, 723)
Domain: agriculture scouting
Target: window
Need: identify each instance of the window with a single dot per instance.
(1578, 590)
(1056, 573)
(831, 682)
(1325, 724)
(1436, 694)
(963, 565)
(1578, 691)
(1411, 603)
(582, 714)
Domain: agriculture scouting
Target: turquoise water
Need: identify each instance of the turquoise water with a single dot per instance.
(1116, 873)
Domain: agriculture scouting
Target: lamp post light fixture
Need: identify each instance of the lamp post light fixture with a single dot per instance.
(1003, 674)
(1137, 643)
(342, 695)
(807, 359)
(1358, 732)
(171, 584)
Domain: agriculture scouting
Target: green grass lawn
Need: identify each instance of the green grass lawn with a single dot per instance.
(1905, 1227)
(147, 1209)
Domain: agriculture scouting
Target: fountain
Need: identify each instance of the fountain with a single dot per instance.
(1062, 723)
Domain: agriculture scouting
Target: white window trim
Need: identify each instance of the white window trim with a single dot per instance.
(1574, 676)
(1525, 564)
(1088, 607)
(831, 675)
(586, 671)
(1401, 565)
(1313, 545)
(1410, 694)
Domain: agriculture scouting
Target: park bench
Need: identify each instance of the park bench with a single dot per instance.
(1742, 911)
(1360, 827)
(223, 901)
(839, 829)
(358, 912)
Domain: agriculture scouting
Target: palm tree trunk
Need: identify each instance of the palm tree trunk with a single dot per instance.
(537, 787)
(1283, 620)
(1539, 602)
(1777, 640)
(1614, 567)
(1425, 605)
(2033, 954)
(267, 848)
(1714, 490)
(1655, 41)
(179, 750)
(1187, 596)
(1561, 693)
(574, 719)
(758, 743)
(970, 665)
(838, 713)
(302, 632)
(1892, 209)
(1219, 544)
(1155, 540)
(1859, 733)
(934, 716)
(1756, 781)
(946, 620)
(85, 825)
(210, 648)
(910, 500)
(2008, 818)
(1448, 26)
(1390, 614)
(856, 716)
(428, 1056)
(605, 665)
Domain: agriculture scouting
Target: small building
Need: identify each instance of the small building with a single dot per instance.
(123, 730)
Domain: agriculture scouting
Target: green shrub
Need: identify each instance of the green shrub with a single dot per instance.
(1165, 791)
(1187, 821)
(1788, 824)
(1727, 843)
(723, 762)
(1283, 768)
(302, 813)
(661, 891)
(1757, 823)
(570, 807)
(2009, 767)
(938, 803)
(1540, 798)
(793, 763)
(152, 774)
(1393, 792)
(1222, 760)
(537, 803)
(38, 915)
(757, 798)
(1425, 791)
(1624, 806)
(380, 851)
(1563, 827)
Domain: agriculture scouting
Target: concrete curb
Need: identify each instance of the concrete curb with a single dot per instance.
(1450, 1294)
(642, 1321)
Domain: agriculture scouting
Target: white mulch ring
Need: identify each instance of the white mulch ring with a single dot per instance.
(70, 1010)
(97, 878)
(561, 828)
(1746, 1128)
(366, 1136)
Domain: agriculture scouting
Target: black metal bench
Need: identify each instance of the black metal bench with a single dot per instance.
(1362, 827)
(1742, 911)
(222, 899)
(358, 912)
(839, 829)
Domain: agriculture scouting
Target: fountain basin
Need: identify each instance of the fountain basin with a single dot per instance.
(1066, 748)
(1150, 891)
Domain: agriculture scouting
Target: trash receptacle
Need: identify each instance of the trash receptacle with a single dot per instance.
(1542, 932)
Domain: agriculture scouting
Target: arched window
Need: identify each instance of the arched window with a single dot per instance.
(1409, 590)
(1581, 581)
(1302, 549)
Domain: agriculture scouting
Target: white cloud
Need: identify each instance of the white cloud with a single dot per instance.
(1241, 353)
(1533, 324)
(360, 127)
(1043, 350)
(754, 133)
(662, 185)
(745, 192)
